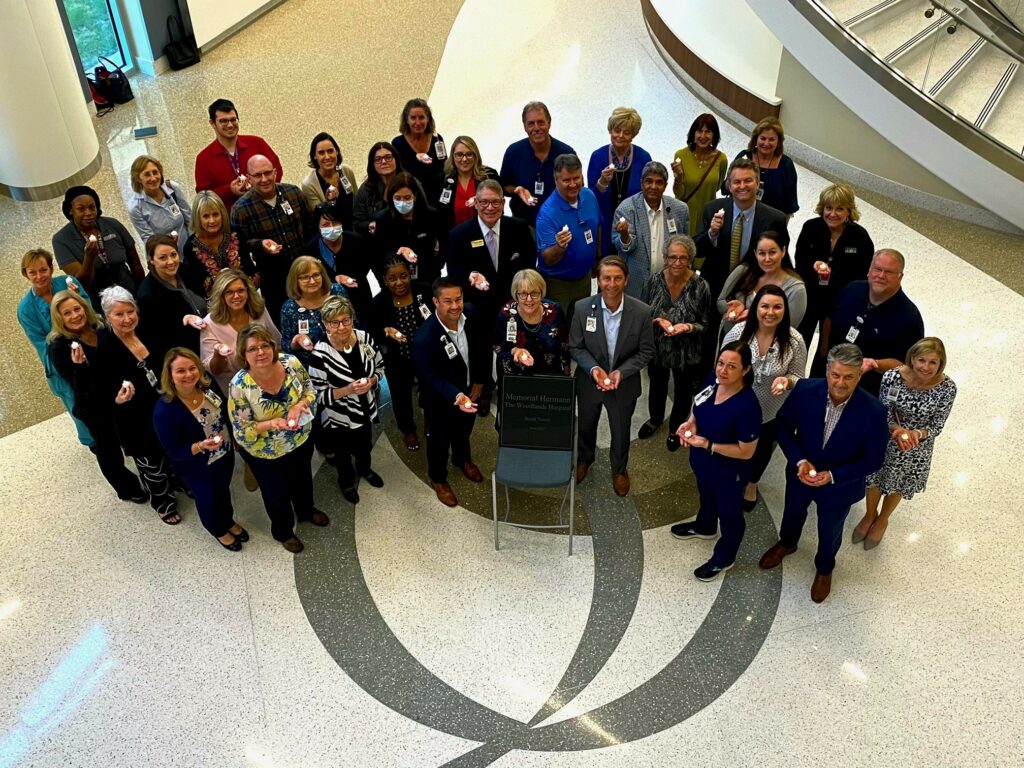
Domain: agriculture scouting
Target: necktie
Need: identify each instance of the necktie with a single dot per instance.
(492, 246)
(736, 244)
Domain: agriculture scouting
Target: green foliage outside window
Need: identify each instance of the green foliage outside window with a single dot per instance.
(94, 32)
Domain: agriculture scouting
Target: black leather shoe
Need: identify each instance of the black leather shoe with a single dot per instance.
(350, 494)
(648, 429)
(672, 442)
(374, 479)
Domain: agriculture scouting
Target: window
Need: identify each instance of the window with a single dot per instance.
(97, 30)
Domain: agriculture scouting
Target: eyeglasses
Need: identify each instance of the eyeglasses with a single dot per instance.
(886, 272)
(383, 159)
(677, 258)
(464, 155)
(262, 174)
(335, 324)
(227, 121)
(524, 295)
(259, 348)
(313, 278)
(490, 203)
(236, 292)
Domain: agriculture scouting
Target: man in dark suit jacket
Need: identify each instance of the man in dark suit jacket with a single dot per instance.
(833, 434)
(484, 254)
(714, 238)
(452, 352)
(611, 339)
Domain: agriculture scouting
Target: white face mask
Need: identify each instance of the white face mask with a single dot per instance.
(404, 206)
(330, 233)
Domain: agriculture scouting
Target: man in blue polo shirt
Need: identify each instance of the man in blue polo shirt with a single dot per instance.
(527, 169)
(568, 236)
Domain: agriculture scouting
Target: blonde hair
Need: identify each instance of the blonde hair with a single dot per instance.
(32, 255)
(764, 124)
(929, 344)
(531, 279)
(300, 265)
(625, 117)
(139, 165)
(167, 382)
(254, 304)
(57, 327)
(203, 200)
(478, 167)
(838, 196)
(337, 306)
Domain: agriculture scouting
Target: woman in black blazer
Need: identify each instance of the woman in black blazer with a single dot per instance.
(171, 313)
(191, 422)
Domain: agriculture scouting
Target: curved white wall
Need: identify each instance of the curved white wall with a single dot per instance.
(728, 36)
(45, 123)
(975, 177)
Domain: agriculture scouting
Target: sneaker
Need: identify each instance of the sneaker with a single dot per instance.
(689, 531)
(374, 479)
(709, 572)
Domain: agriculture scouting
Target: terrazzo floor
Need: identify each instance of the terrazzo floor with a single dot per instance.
(400, 637)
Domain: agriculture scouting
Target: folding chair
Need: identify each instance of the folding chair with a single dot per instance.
(536, 444)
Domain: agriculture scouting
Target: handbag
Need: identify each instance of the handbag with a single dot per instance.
(711, 164)
(182, 50)
(111, 84)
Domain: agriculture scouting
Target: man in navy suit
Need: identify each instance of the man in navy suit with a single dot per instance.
(452, 352)
(484, 254)
(833, 435)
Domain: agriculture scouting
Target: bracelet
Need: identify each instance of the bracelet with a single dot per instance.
(711, 447)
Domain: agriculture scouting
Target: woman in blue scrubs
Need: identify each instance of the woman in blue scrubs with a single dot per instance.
(722, 434)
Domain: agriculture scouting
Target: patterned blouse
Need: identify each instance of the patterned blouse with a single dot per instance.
(200, 265)
(331, 368)
(295, 318)
(693, 306)
(771, 366)
(208, 415)
(248, 404)
(547, 341)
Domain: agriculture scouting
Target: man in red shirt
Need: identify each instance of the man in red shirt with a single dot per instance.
(220, 167)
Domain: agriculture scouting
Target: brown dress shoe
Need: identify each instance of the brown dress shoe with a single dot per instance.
(412, 443)
(319, 518)
(472, 472)
(445, 494)
(620, 482)
(775, 554)
(293, 545)
(581, 472)
(821, 586)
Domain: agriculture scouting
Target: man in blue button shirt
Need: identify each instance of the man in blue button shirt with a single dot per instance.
(568, 236)
(527, 169)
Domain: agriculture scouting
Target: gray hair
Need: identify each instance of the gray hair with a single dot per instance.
(654, 167)
(892, 253)
(684, 240)
(567, 162)
(846, 354)
(531, 279)
(115, 294)
(492, 185)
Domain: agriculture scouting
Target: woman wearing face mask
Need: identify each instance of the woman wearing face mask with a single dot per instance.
(382, 164)
(127, 387)
(308, 288)
(34, 315)
(770, 266)
(158, 206)
(173, 313)
(396, 313)
(212, 246)
(72, 345)
(94, 248)
(408, 227)
(330, 180)
(722, 434)
(919, 397)
(779, 359)
(345, 256)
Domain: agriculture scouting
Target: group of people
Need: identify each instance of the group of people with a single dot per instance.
(256, 331)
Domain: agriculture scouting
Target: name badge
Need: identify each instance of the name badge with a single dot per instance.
(450, 350)
(439, 149)
(151, 378)
(704, 394)
(538, 187)
(424, 312)
(672, 226)
(346, 184)
(446, 196)
(174, 209)
(760, 191)
(477, 244)
(591, 324)
(588, 236)
(852, 334)
(892, 394)
(287, 207)
(304, 326)
(849, 249)
(510, 329)
(414, 272)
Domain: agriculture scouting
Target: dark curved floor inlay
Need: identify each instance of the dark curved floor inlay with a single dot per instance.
(342, 612)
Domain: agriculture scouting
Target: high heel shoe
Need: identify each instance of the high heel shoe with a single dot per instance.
(857, 536)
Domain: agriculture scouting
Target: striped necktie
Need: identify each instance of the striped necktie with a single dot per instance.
(736, 244)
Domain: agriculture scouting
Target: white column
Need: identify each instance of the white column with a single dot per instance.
(48, 137)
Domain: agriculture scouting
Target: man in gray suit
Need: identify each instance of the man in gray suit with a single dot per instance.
(611, 339)
(643, 224)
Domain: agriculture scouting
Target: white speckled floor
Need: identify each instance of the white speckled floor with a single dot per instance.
(124, 642)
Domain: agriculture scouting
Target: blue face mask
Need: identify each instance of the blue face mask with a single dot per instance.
(330, 233)
(404, 206)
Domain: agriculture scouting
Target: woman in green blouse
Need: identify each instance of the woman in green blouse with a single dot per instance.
(699, 168)
(270, 405)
